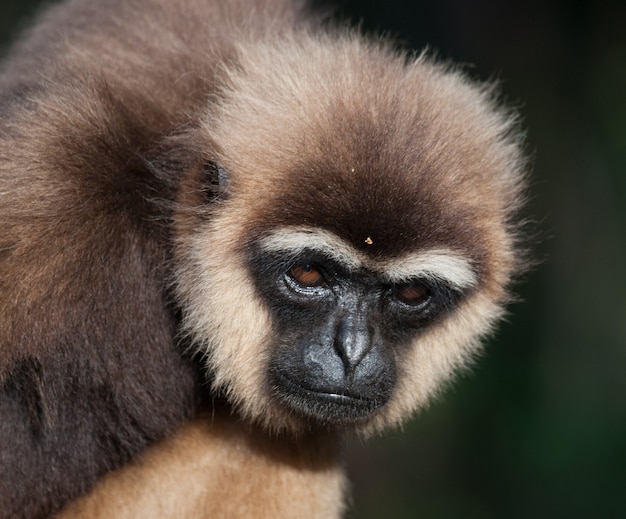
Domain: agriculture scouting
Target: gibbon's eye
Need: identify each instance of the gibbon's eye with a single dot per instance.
(306, 275)
(415, 294)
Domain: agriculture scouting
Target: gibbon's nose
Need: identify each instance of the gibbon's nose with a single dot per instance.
(353, 340)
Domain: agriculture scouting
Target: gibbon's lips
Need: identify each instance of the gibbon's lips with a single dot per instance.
(323, 405)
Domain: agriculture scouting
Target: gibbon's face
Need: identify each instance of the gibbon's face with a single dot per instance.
(342, 321)
(363, 241)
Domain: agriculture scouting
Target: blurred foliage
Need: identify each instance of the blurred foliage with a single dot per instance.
(539, 428)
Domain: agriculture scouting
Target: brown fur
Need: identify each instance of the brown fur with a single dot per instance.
(113, 248)
(90, 369)
(220, 469)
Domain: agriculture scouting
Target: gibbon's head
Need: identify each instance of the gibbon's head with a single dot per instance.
(360, 236)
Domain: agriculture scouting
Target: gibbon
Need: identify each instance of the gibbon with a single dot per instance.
(231, 234)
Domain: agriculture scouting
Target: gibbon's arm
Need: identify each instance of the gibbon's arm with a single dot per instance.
(215, 468)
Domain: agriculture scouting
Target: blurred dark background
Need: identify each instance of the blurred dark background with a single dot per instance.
(539, 428)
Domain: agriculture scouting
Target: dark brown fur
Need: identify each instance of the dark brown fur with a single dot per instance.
(90, 370)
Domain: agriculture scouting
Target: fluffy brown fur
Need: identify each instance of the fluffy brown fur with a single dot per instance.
(119, 245)
(216, 468)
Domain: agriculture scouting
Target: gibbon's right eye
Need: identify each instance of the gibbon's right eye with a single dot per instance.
(306, 275)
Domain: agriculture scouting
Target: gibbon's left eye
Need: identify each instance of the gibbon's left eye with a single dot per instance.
(417, 294)
(306, 275)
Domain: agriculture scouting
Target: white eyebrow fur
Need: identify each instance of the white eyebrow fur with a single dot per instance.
(438, 265)
(295, 240)
(442, 265)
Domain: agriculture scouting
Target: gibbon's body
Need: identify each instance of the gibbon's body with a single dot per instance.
(331, 224)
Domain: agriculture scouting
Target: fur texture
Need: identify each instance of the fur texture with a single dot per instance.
(90, 368)
(146, 147)
(198, 474)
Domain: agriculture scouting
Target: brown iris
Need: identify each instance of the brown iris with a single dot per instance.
(306, 275)
(415, 294)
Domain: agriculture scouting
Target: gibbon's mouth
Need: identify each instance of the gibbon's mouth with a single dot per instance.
(320, 405)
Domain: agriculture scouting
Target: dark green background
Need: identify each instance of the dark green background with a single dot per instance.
(539, 429)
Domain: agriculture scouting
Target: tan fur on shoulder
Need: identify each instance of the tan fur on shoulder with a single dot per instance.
(216, 468)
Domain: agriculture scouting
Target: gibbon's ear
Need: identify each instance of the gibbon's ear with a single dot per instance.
(215, 181)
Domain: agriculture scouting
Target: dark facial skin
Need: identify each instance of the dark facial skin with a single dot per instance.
(339, 332)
